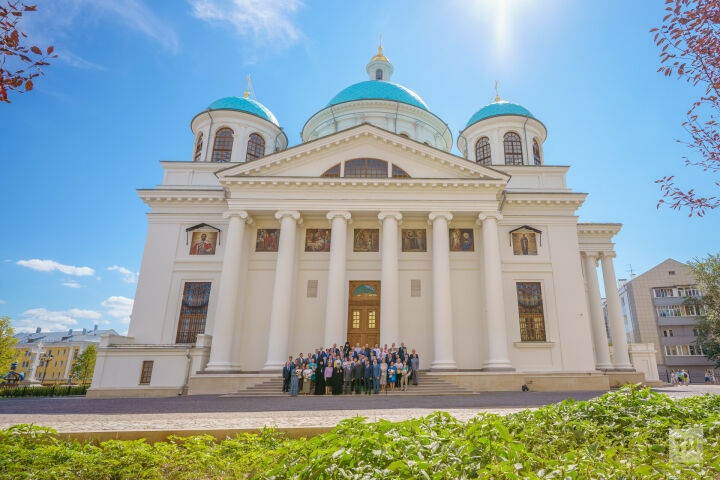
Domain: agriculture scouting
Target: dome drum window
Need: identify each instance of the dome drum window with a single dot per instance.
(255, 147)
(513, 149)
(333, 171)
(222, 149)
(198, 148)
(482, 151)
(536, 152)
(378, 74)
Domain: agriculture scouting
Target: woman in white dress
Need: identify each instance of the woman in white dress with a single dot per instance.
(383, 376)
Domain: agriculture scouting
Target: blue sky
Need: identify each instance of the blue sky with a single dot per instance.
(132, 74)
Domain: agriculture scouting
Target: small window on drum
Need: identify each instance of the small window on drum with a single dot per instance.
(398, 172)
(378, 74)
(405, 135)
(513, 149)
(536, 152)
(482, 151)
(333, 171)
(222, 149)
(198, 147)
(255, 147)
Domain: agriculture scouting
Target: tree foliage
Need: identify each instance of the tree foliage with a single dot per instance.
(707, 276)
(19, 62)
(8, 354)
(84, 366)
(689, 39)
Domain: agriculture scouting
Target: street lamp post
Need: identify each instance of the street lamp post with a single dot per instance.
(46, 357)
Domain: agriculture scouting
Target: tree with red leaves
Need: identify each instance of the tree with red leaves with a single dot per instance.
(690, 42)
(19, 63)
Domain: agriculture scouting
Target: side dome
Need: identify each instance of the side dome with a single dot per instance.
(378, 90)
(244, 104)
(498, 108)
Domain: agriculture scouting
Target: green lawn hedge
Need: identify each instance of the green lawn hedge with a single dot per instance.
(49, 391)
(621, 435)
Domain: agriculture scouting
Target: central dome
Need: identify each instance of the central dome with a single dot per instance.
(378, 90)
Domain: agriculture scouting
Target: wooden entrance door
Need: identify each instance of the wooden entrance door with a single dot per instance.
(364, 313)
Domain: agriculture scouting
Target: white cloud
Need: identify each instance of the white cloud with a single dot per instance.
(136, 15)
(52, 265)
(80, 313)
(2, 301)
(77, 61)
(118, 307)
(71, 284)
(267, 20)
(128, 275)
(48, 320)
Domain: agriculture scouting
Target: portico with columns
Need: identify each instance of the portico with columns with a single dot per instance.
(475, 260)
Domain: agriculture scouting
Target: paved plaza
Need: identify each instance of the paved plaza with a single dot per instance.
(215, 413)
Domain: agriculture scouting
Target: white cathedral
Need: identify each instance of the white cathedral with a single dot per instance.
(369, 231)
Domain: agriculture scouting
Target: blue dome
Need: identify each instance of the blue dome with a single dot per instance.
(499, 108)
(247, 105)
(379, 90)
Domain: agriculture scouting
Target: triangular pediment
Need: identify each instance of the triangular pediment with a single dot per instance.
(312, 159)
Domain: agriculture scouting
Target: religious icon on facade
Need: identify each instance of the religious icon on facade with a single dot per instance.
(462, 240)
(524, 242)
(267, 240)
(203, 243)
(317, 240)
(366, 240)
(414, 240)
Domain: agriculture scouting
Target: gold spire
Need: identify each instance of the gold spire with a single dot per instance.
(380, 55)
(497, 97)
(249, 86)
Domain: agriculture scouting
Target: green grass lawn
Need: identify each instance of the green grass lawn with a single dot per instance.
(621, 435)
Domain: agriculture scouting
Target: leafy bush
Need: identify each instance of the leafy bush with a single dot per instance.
(621, 435)
(50, 391)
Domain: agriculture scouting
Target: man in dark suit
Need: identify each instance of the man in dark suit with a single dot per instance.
(347, 377)
(286, 375)
(368, 377)
(402, 351)
(357, 376)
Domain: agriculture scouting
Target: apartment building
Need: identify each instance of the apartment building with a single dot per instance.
(662, 306)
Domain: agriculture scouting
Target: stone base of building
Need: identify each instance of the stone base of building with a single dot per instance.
(133, 392)
(219, 383)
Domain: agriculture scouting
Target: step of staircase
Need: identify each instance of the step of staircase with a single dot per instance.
(428, 385)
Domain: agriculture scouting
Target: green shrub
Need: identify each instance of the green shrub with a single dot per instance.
(621, 435)
(49, 391)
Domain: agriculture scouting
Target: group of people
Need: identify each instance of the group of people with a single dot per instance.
(682, 377)
(347, 370)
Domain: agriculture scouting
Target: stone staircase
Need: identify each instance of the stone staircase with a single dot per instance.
(427, 385)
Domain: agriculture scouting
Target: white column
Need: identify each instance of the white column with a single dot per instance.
(226, 312)
(279, 331)
(497, 358)
(621, 357)
(389, 288)
(335, 320)
(442, 293)
(597, 319)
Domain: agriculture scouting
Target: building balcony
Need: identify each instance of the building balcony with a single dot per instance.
(677, 321)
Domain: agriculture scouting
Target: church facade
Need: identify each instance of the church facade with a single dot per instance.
(368, 231)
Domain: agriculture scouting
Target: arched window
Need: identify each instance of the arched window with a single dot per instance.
(513, 149)
(405, 135)
(398, 172)
(333, 171)
(366, 167)
(255, 148)
(482, 151)
(536, 152)
(198, 148)
(222, 149)
(378, 74)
